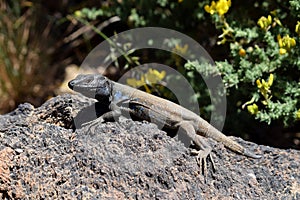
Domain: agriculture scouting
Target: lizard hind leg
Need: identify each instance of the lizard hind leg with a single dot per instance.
(205, 149)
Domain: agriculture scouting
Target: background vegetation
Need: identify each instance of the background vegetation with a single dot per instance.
(255, 45)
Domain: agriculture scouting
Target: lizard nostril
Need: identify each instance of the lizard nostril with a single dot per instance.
(71, 84)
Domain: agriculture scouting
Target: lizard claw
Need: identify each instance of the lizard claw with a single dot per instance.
(201, 159)
(91, 125)
(93, 122)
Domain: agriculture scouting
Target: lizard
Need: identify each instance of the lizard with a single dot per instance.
(122, 98)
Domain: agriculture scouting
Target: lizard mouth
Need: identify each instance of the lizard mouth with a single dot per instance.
(75, 86)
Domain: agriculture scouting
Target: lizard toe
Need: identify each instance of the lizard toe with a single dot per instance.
(201, 159)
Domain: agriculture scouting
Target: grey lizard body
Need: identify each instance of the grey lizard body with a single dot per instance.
(121, 98)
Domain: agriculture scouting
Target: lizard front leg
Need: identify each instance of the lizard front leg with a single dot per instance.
(114, 113)
(205, 149)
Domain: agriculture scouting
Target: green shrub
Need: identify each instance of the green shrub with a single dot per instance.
(263, 64)
(258, 39)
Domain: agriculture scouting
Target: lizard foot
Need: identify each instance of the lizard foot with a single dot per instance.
(91, 125)
(201, 158)
(93, 122)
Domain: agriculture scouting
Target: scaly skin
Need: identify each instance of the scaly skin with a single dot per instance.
(121, 99)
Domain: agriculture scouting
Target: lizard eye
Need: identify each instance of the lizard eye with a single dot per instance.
(93, 80)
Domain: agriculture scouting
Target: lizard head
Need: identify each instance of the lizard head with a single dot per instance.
(93, 86)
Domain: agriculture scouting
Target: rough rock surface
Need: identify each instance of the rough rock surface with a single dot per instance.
(43, 155)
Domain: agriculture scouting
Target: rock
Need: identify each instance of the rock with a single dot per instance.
(45, 154)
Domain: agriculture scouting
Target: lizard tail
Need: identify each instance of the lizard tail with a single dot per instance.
(215, 134)
(250, 154)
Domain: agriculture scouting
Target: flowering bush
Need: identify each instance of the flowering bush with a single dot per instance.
(257, 49)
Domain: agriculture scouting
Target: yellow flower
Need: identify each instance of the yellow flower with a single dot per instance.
(282, 51)
(253, 109)
(277, 21)
(179, 1)
(297, 29)
(221, 7)
(180, 49)
(264, 87)
(264, 22)
(136, 83)
(210, 9)
(285, 43)
(270, 80)
(153, 76)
